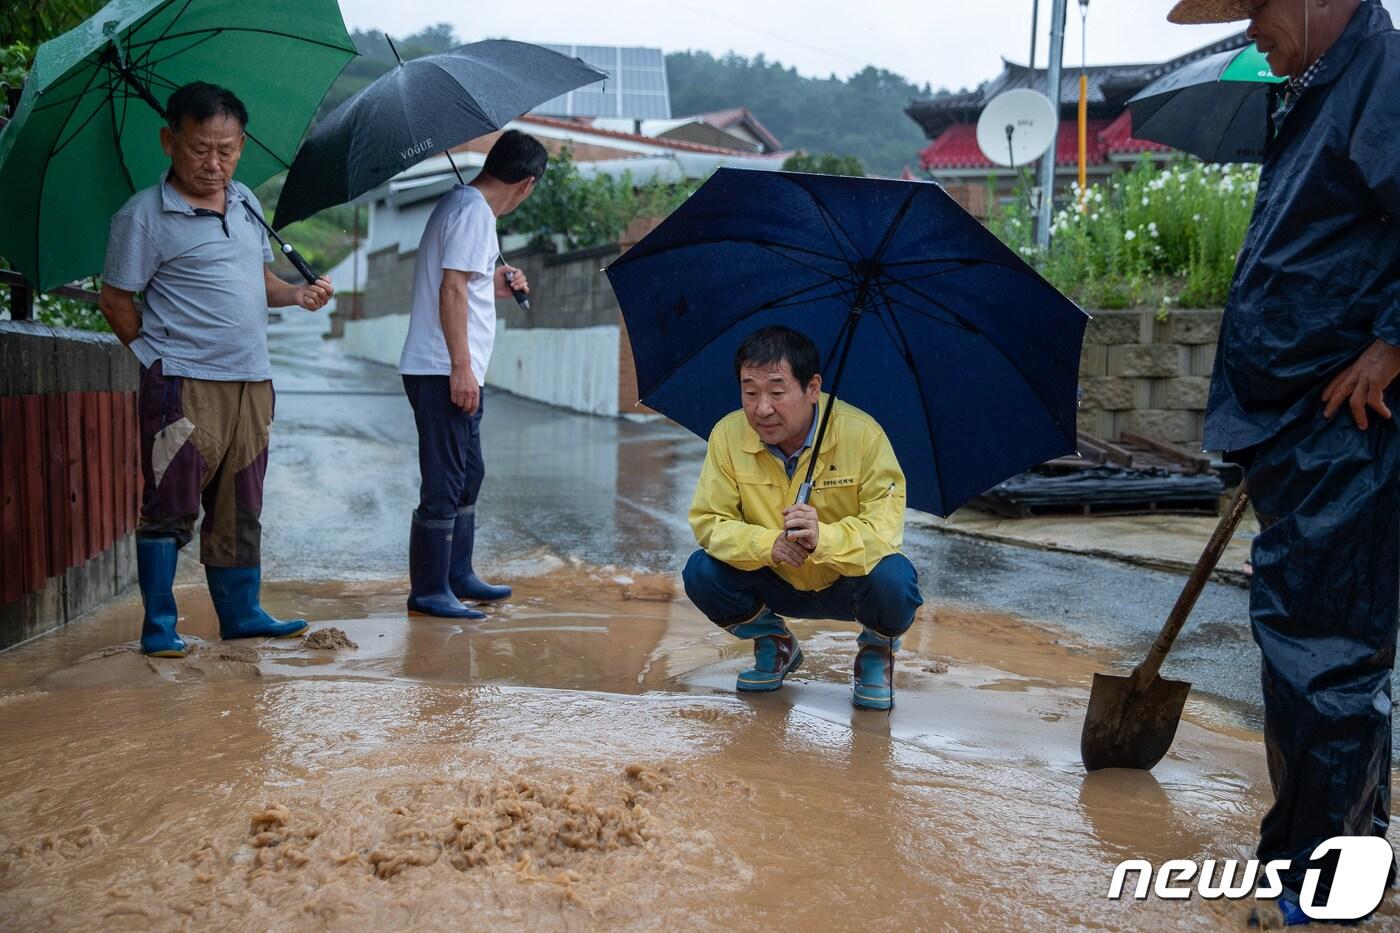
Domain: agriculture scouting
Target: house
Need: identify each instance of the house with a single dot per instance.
(735, 128)
(950, 121)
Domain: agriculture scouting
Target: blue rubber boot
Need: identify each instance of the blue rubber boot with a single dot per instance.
(429, 556)
(465, 583)
(155, 572)
(874, 671)
(776, 653)
(235, 592)
(1284, 912)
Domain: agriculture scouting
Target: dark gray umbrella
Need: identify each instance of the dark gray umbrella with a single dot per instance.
(1216, 108)
(422, 107)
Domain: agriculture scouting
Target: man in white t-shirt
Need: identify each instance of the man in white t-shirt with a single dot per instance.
(452, 327)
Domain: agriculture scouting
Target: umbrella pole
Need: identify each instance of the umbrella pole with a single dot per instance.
(804, 492)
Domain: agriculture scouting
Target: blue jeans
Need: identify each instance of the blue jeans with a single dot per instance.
(449, 448)
(885, 600)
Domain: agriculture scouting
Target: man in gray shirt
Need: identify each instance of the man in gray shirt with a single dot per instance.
(192, 245)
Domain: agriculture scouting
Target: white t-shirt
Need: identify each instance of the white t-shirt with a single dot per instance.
(461, 235)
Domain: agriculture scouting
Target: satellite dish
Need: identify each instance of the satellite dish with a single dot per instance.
(1017, 127)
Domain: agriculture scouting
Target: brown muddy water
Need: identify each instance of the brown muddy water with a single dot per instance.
(579, 760)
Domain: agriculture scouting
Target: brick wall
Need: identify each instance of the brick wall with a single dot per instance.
(1146, 375)
(566, 289)
(627, 395)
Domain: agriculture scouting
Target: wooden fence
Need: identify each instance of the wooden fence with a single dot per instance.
(70, 479)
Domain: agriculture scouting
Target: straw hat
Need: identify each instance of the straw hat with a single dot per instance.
(1209, 11)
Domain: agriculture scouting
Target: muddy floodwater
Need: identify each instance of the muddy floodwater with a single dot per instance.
(579, 760)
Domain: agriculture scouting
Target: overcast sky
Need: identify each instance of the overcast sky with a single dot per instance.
(947, 43)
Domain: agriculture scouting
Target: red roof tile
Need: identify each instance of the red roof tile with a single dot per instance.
(1118, 138)
(956, 147)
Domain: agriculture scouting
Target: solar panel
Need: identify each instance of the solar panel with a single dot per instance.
(636, 87)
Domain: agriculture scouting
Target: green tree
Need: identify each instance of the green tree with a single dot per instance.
(862, 116)
(823, 164)
(590, 211)
(35, 21)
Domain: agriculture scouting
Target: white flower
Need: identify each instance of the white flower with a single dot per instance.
(1196, 218)
(1129, 234)
(1094, 215)
(1152, 229)
(1145, 202)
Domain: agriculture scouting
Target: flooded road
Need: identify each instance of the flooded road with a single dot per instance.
(579, 759)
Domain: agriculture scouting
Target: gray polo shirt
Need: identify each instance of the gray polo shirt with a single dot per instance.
(202, 274)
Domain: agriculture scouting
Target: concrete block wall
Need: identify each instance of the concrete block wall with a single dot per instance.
(1148, 374)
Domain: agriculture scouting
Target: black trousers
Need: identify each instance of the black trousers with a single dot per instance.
(449, 448)
(1324, 604)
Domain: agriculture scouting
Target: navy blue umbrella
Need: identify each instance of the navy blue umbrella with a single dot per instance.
(966, 357)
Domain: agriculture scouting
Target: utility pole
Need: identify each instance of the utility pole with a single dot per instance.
(1047, 163)
(1035, 29)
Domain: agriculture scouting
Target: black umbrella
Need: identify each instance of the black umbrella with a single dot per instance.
(1216, 108)
(422, 107)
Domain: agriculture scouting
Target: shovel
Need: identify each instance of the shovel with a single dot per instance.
(1132, 720)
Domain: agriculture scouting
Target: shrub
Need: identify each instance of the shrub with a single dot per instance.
(1154, 235)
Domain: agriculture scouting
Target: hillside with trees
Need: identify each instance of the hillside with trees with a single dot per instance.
(861, 116)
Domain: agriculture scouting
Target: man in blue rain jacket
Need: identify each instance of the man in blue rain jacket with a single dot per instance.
(1302, 397)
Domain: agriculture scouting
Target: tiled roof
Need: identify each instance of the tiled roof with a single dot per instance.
(956, 147)
(1110, 86)
(724, 119)
(582, 127)
(1118, 138)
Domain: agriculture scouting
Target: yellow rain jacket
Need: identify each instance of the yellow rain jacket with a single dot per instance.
(857, 490)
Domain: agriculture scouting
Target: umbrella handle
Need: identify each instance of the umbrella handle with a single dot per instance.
(520, 297)
(302, 266)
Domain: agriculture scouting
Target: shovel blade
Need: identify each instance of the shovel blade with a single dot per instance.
(1130, 727)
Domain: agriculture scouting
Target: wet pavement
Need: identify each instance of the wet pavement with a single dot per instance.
(579, 759)
(611, 492)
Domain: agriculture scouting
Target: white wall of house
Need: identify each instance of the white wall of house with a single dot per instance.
(379, 339)
(574, 368)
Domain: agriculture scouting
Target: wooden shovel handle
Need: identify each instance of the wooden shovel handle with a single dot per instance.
(1192, 590)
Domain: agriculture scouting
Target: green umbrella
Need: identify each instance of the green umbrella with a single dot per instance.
(86, 134)
(1216, 108)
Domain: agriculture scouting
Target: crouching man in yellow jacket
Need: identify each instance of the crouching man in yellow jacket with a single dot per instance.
(763, 559)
